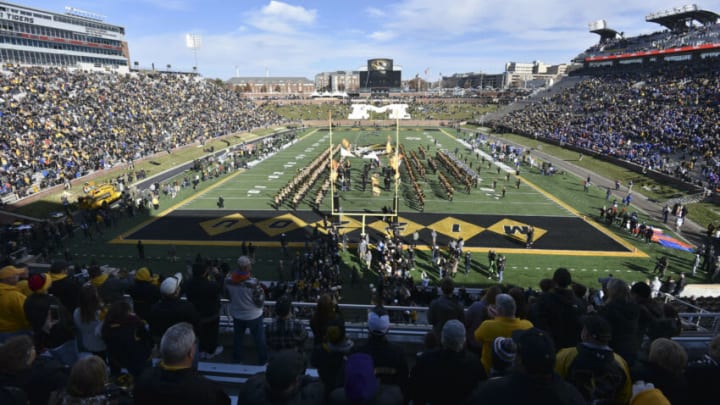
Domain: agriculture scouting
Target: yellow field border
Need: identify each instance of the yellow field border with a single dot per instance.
(633, 251)
(120, 239)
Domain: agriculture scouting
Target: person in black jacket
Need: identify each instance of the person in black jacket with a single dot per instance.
(203, 291)
(170, 309)
(391, 366)
(127, 338)
(65, 287)
(558, 311)
(451, 367)
(173, 380)
(624, 317)
(145, 292)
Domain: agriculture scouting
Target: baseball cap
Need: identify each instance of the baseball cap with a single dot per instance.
(9, 271)
(597, 327)
(536, 350)
(378, 324)
(171, 285)
(283, 369)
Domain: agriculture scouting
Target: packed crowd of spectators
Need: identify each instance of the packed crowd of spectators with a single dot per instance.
(58, 125)
(662, 119)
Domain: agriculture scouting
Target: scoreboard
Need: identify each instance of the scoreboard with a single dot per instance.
(380, 74)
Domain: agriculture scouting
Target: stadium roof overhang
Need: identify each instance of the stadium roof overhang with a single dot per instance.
(606, 34)
(680, 21)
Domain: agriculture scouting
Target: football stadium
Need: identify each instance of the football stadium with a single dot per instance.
(359, 246)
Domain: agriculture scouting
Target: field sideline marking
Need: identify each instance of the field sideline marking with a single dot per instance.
(633, 250)
(120, 239)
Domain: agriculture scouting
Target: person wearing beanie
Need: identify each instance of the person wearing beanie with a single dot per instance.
(66, 288)
(391, 366)
(452, 367)
(171, 310)
(52, 324)
(361, 386)
(145, 292)
(503, 357)
(533, 380)
(600, 375)
(12, 301)
(502, 325)
(558, 311)
(247, 300)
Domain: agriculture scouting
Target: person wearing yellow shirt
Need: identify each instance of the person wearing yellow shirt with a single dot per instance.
(502, 325)
(12, 314)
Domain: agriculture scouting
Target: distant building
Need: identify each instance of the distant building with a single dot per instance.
(273, 85)
(535, 74)
(474, 80)
(30, 36)
(340, 80)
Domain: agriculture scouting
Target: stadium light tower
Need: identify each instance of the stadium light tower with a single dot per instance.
(193, 42)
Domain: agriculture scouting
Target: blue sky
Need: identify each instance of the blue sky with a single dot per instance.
(302, 38)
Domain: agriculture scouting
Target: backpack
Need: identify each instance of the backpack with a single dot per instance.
(600, 383)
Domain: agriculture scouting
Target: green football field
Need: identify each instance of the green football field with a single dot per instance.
(561, 212)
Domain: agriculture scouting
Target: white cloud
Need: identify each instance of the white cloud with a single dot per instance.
(383, 35)
(281, 17)
(375, 12)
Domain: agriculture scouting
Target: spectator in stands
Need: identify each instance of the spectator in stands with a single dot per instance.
(12, 314)
(329, 357)
(203, 291)
(88, 384)
(479, 311)
(703, 376)
(502, 325)
(171, 310)
(111, 287)
(534, 380)
(558, 311)
(624, 317)
(285, 332)
(391, 366)
(503, 357)
(451, 367)
(66, 288)
(246, 308)
(362, 387)
(145, 292)
(326, 311)
(651, 311)
(51, 323)
(445, 307)
(37, 376)
(127, 338)
(600, 375)
(665, 369)
(87, 318)
(646, 394)
(173, 380)
(284, 382)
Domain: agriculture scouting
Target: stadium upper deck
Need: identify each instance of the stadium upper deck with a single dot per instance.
(692, 34)
(36, 37)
